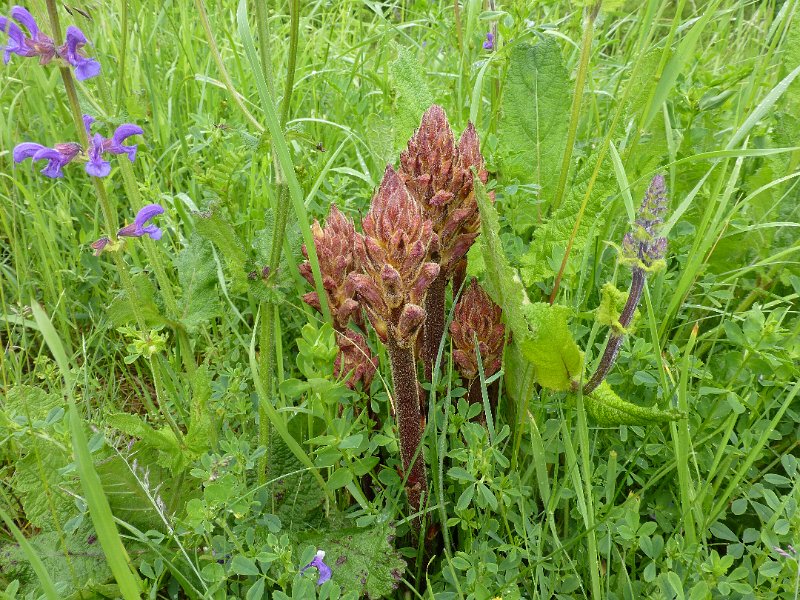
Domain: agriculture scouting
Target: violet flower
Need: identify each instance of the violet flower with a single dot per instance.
(56, 157)
(138, 227)
(64, 153)
(323, 569)
(39, 44)
(489, 43)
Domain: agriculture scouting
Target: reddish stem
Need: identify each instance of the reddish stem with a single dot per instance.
(409, 423)
(434, 323)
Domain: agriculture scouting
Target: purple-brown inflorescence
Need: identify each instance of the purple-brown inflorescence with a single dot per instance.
(644, 250)
(355, 359)
(396, 274)
(477, 318)
(438, 173)
(335, 244)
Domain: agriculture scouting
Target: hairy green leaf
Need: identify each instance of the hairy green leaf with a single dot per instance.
(197, 275)
(551, 348)
(609, 410)
(535, 115)
(412, 96)
(213, 226)
(296, 496)
(550, 240)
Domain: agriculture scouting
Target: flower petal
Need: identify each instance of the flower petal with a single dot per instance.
(22, 16)
(147, 213)
(16, 40)
(122, 133)
(153, 231)
(88, 121)
(97, 166)
(86, 68)
(26, 150)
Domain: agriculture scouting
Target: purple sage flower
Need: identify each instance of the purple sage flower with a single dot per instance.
(39, 44)
(489, 43)
(138, 227)
(62, 154)
(323, 569)
(56, 157)
(85, 68)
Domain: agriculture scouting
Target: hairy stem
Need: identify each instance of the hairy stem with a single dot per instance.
(434, 323)
(615, 338)
(409, 424)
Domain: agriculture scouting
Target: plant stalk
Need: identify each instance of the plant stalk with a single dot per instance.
(434, 323)
(615, 338)
(409, 424)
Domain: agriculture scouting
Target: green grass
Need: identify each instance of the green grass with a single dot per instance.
(172, 404)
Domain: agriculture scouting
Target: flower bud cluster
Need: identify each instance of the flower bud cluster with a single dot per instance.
(642, 247)
(477, 318)
(393, 256)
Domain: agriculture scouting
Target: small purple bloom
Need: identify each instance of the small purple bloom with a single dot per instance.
(38, 44)
(97, 165)
(122, 133)
(100, 245)
(138, 227)
(489, 43)
(56, 157)
(323, 569)
(85, 68)
(643, 243)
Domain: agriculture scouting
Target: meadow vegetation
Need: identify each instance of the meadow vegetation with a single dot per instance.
(404, 299)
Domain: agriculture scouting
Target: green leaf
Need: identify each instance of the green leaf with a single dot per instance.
(39, 485)
(361, 557)
(551, 348)
(297, 498)
(197, 275)
(412, 96)
(501, 281)
(163, 440)
(535, 115)
(242, 565)
(550, 239)
(609, 410)
(74, 563)
(213, 226)
(122, 310)
(201, 435)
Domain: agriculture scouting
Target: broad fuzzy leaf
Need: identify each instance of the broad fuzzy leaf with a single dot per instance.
(550, 240)
(412, 96)
(361, 559)
(123, 311)
(609, 410)
(170, 454)
(213, 226)
(551, 349)
(296, 496)
(535, 115)
(44, 506)
(197, 275)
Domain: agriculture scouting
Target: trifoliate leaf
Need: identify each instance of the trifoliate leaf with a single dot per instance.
(197, 275)
(535, 115)
(551, 348)
(501, 281)
(609, 410)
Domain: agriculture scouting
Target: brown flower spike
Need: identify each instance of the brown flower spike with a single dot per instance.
(396, 274)
(477, 317)
(354, 358)
(439, 176)
(335, 245)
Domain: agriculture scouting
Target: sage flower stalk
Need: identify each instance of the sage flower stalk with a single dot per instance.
(643, 250)
(395, 276)
(438, 173)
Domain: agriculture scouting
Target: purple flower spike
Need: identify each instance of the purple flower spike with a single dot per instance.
(85, 68)
(323, 569)
(138, 227)
(97, 166)
(38, 44)
(122, 133)
(489, 43)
